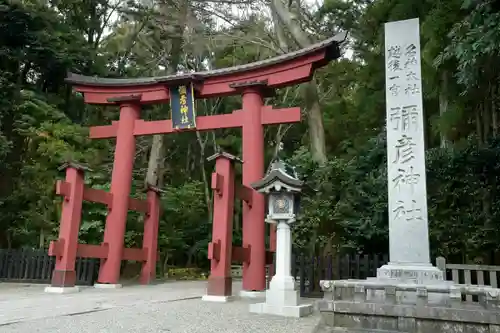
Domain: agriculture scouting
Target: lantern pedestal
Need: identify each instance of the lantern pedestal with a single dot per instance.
(282, 298)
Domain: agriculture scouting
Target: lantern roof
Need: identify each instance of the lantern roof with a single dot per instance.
(280, 176)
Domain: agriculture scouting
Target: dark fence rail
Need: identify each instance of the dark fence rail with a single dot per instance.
(36, 266)
(310, 270)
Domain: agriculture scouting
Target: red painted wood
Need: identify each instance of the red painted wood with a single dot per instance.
(56, 247)
(152, 94)
(252, 118)
(203, 123)
(93, 251)
(101, 251)
(63, 188)
(254, 272)
(222, 229)
(72, 188)
(134, 254)
(103, 197)
(138, 205)
(291, 72)
(150, 237)
(214, 250)
(240, 254)
(121, 181)
(270, 116)
(100, 196)
(106, 131)
(244, 193)
(217, 183)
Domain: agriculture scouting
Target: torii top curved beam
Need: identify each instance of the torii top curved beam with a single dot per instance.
(284, 70)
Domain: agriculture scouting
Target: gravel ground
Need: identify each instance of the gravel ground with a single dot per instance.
(173, 307)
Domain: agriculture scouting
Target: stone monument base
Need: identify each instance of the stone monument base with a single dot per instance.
(349, 307)
(411, 273)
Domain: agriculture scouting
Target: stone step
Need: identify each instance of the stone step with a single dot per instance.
(356, 330)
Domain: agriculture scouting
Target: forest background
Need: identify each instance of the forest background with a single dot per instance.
(339, 147)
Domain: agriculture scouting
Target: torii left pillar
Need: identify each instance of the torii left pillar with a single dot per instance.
(121, 182)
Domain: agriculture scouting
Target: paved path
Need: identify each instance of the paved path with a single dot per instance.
(172, 307)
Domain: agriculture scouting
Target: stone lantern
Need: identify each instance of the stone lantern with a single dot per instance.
(282, 188)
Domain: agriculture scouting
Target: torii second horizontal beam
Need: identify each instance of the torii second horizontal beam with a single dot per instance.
(236, 119)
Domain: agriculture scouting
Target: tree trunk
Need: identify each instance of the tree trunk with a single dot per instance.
(311, 95)
(315, 122)
(443, 105)
(289, 21)
(486, 118)
(479, 128)
(154, 174)
(157, 156)
(278, 29)
(41, 242)
(494, 115)
(208, 195)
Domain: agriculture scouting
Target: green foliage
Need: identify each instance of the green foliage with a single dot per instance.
(43, 124)
(185, 274)
(351, 201)
(463, 206)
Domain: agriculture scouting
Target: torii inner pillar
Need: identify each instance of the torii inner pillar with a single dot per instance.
(254, 270)
(252, 82)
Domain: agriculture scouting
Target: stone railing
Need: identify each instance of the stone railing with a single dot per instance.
(481, 274)
(369, 306)
(355, 290)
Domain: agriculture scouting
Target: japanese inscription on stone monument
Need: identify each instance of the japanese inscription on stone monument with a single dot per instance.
(405, 139)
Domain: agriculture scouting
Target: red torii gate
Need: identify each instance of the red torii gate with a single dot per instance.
(253, 81)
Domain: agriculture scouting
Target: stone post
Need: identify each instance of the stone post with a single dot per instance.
(282, 298)
(283, 280)
(408, 224)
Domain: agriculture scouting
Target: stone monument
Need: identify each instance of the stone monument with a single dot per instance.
(282, 187)
(408, 224)
(409, 294)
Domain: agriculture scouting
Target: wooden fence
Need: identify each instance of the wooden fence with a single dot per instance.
(480, 275)
(36, 266)
(308, 271)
